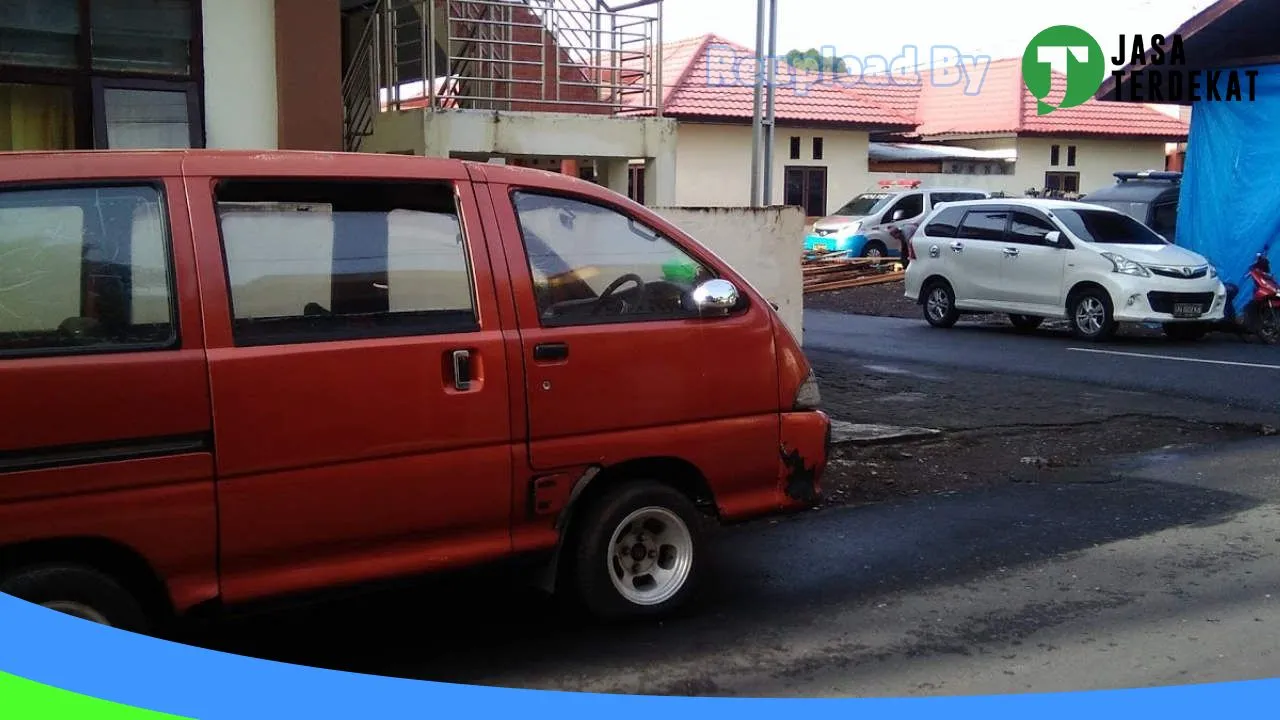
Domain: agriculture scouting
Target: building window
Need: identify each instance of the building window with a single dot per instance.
(316, 261)
(1071, 156)
(795, 148)
(37, 117)
(1062, 182)
(817, 148)
(1054, 153)
(806, 187)
(141, 36)
(635, 183)
(99, 74)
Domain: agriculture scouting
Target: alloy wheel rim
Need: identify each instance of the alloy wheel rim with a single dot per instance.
(650, 556)
(1090, 315)
(938, 304)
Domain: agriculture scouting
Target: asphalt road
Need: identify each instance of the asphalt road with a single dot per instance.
(1165, 571)
(1153, 571)
(1222, 370)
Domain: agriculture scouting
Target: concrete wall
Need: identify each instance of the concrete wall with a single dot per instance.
(520, 133)
(397, 132)
(485, 133)
(1096, 160)
(713, 164)
(764, 245)
(240, 99)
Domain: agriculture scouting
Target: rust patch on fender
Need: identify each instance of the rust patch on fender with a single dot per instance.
(801, 480)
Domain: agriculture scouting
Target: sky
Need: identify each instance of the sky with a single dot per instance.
(861, 28)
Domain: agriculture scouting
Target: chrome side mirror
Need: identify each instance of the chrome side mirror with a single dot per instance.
(715, 296)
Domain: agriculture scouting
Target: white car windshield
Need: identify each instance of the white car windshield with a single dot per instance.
(1108, 228)
(865, 204)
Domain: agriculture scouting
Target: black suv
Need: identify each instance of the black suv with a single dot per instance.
(1149, 197)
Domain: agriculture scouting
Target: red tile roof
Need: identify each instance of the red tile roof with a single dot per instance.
(712, 78)
(709, 77)
(1002, 104)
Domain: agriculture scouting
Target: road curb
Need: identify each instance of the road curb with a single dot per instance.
(847, 433)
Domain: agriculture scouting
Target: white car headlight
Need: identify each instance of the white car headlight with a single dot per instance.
(1213, 271)
(1125, 266)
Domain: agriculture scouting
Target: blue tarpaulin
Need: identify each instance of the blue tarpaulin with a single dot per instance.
(1229, 206)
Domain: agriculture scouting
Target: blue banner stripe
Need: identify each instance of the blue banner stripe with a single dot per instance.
(101, 662)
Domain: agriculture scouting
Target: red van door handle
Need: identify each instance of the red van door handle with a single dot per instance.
(462, 370)
(550, 352)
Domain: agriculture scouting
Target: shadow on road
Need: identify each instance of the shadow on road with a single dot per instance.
(1132, 336)
(766, 577)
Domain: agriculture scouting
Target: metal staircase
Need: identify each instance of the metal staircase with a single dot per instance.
(535, 55)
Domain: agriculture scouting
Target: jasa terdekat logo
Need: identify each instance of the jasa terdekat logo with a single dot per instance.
(1152, 70)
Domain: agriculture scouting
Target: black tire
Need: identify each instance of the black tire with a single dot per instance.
(944, 315)
(1185, 332)
(1266, 325)
(873, 247)
(80, 586)
(594, 559)
(1091, 299)
(1025, 323)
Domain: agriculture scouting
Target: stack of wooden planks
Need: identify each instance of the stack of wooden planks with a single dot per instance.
(822, 274)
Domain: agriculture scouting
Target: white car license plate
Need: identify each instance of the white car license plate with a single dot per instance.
(1187, 310)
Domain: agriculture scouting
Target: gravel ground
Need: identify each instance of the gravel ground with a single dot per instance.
(998, 432)
(884, 300)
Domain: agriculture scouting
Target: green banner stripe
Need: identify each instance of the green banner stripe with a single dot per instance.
(22, 699)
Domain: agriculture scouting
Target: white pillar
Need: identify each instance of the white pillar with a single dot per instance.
(660, 180)
(240, 107)
(613, 173)
(660, 167)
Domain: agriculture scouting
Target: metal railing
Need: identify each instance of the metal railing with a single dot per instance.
(543, 55)
(360, 91)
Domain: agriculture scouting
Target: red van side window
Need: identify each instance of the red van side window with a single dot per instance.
(592, 264)
(323, 260)
(84, 269)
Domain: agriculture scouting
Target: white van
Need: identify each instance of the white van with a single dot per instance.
(860, 228)
(1035, 259)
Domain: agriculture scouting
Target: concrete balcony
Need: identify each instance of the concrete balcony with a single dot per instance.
(512, 80)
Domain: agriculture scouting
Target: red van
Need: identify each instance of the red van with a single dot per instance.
(230, 376)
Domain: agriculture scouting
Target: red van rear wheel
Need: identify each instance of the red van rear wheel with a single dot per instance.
(77, 591)
(637, 553)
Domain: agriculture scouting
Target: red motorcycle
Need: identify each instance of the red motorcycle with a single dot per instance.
(1261, 317)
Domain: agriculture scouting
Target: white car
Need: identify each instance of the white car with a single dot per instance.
(1035, 259)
